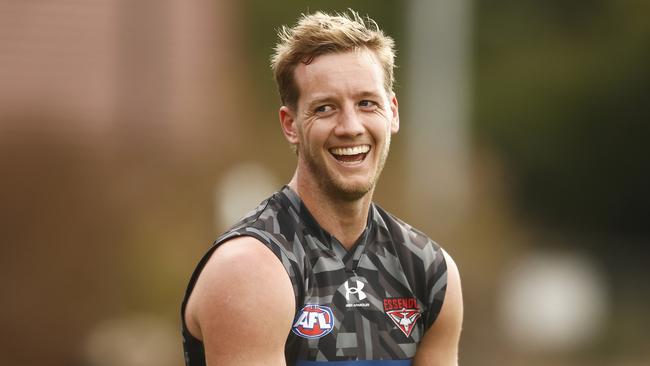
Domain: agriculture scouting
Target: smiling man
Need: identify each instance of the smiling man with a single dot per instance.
(318, 274)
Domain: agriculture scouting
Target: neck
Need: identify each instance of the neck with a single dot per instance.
(343, 219)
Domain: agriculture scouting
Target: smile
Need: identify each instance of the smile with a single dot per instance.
(350, 154)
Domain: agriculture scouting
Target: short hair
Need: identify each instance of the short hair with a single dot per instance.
(320, 33)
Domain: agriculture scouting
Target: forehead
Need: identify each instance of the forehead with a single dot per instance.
(340, 74)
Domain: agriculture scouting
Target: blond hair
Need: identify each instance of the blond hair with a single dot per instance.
(320, 33)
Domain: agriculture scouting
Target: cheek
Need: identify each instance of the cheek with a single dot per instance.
(310, 139)
(380, 128)
(316, 132)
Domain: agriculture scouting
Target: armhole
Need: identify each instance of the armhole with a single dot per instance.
(297, 289)
(438, 289)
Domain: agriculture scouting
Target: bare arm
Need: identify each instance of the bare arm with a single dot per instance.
(242, 305)
(439, 347)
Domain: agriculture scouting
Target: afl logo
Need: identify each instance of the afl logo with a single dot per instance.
(314, 321)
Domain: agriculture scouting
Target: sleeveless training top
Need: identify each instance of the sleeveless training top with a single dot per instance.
(368, 306)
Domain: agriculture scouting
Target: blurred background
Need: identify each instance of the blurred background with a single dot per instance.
(133, 132)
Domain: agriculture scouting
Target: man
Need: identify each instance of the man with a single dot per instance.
(343, 280)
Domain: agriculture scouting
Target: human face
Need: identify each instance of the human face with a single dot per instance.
(342, 123)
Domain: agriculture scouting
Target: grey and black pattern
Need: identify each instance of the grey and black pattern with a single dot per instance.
(391, 269)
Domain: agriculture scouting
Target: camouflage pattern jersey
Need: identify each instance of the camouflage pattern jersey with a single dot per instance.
(369, 306)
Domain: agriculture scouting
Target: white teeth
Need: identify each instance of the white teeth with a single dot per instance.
(350, 150)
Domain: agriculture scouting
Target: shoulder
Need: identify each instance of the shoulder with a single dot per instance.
(272, 222)
(257, 217)
(240, 277)
(411, 240)
(401, 229)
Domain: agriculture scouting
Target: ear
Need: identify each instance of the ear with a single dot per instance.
(288, 124)
(394, 107)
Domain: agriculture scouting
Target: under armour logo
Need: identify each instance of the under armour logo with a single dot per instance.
(354, 290)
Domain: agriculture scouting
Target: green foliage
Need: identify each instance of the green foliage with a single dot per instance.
(562, 91)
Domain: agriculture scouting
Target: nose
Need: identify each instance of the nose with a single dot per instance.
(349, 124)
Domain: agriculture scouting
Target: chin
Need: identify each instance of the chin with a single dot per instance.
(347, 187)
(351, 191)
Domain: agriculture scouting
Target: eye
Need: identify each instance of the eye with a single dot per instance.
(323, 108)
(367, 104)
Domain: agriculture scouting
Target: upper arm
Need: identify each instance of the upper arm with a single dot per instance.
(242, 305)
(439, 346)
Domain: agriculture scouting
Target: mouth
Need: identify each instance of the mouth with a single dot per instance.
(352, 154)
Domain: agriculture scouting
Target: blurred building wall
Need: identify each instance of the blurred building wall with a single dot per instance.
(102, 104)
(60, 57)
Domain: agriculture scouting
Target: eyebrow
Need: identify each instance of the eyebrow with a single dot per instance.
(320, 100)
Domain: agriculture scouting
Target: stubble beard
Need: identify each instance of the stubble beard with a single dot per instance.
(337, 188)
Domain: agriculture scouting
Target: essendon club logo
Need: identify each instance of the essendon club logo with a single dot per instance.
(314, 321)
(404, 312)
